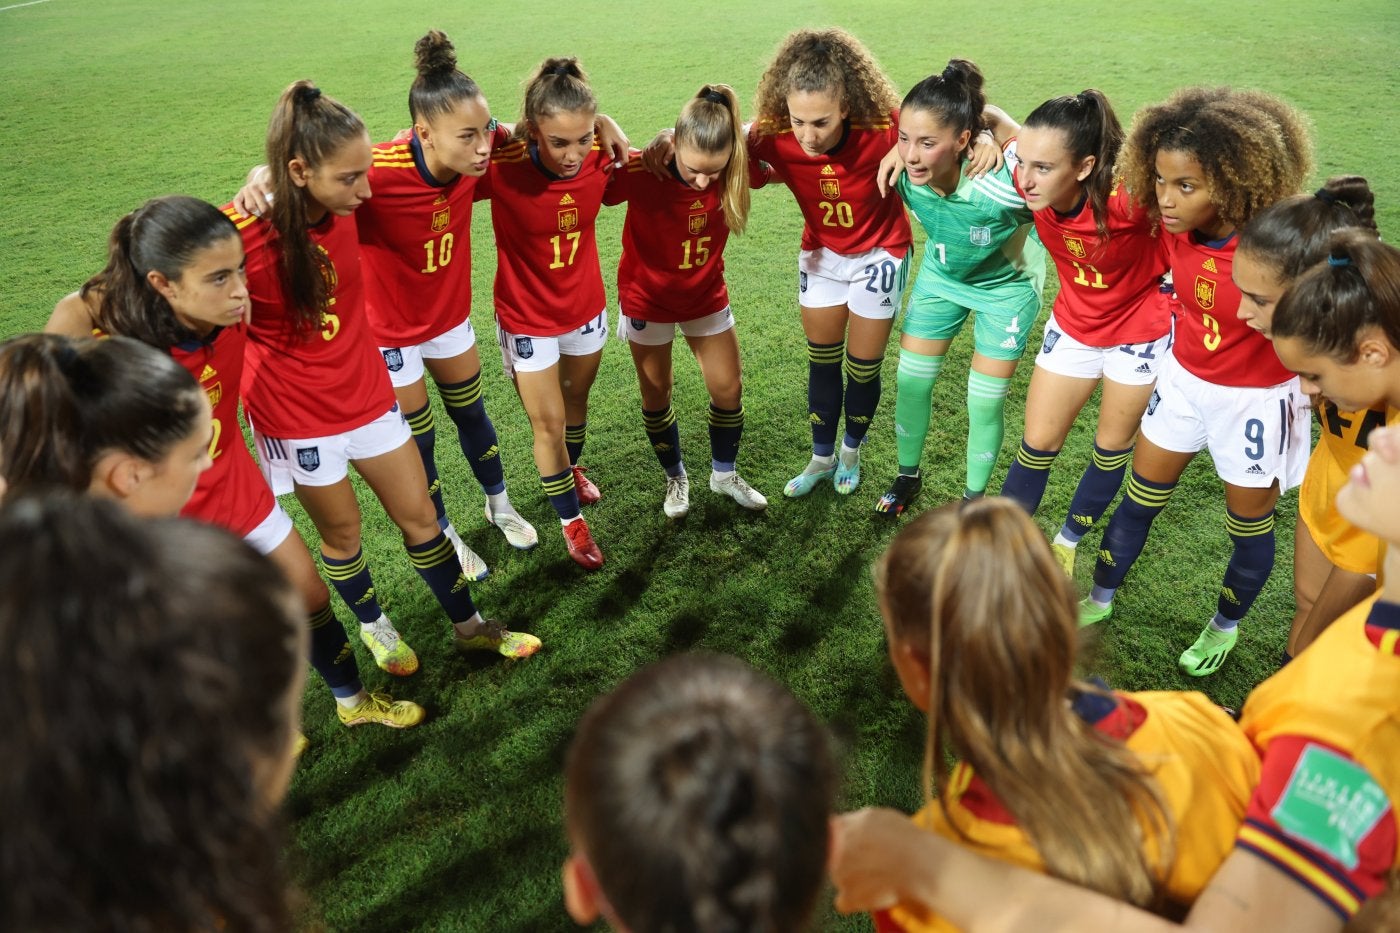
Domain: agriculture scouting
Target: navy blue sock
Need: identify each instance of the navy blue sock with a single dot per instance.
(824, 391)
(1127, 531)
(331, 655)
(1096, 490)
(862, 396)
(437, 563)
(352, 581)
(726, 428)
(562, 494)
(475, 432)
(420, 422)
(1251, 562)
(665, 438)
(1028, 475)
(574, 436)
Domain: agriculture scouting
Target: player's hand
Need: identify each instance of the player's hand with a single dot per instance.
(612, 139)
(657, 156)
(986, 156)
(891, 167)
(872, 853)
(255, 197)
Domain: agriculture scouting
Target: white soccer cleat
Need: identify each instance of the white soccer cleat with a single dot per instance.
(677, 504)
(473, 567)
(519, 533)
(733, 486)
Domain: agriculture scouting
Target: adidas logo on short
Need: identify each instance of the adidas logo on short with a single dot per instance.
(1255, 470)
(1144, 368)
(1009, 343)
(886, 304)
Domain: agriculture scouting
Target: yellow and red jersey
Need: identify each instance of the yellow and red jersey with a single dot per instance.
(1203, 766)
(415, 234)
(1327, 727)
(1211, 342)
(1110, 290)
(330, 380)
(673, 240)
(548, 280)
(836, 190)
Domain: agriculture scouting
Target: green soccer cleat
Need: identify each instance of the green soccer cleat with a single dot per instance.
(391, 652)
(805, 482)
(1208, 653)
(847, 478)
(1091, 613)
(383, 710)
(1064, 556)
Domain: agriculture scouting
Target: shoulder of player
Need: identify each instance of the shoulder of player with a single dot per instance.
(511, 152)
(394, 155)
(997, 188)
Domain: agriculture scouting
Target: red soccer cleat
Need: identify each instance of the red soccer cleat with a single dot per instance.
(581, 545)
(587, 490)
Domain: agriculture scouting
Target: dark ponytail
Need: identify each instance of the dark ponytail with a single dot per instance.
(1293, 234)
(309, 126)
(1091, 128)
(162, 235)
(440, 84)
(954, 96)
(699, 792)
(64, 402)
(1355, 288)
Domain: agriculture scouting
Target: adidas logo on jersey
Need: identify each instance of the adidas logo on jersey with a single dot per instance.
(698, 206)
(567, 199)
(1255, 470)
(1144, 368)
(1209, 265)
(828, 170)
(207, 374)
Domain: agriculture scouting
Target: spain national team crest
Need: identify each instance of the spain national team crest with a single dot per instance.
(327, 269)
(441, 219)
(831, 189)
(393, 358)
(568, 219)
(980, 236)
(697, 223)
(1048, 341)
(308, 458)
(524, 347)
(1075, 246)
(216, 394)
(1205, 292)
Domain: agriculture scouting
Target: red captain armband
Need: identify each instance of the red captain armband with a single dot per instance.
(1321, 818)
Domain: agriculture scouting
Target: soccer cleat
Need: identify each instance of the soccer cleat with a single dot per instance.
(587, 490)
(677, 504)
(900, 495)
(494, 636)
(1208, 653)
(1091, 613)
(382, 709)
(1064, 556)
(733, 486)
(847, 478)
(473, 567)
(805, 482)
(519, 533)
(300, 745)
(581, 545)
(390, 651)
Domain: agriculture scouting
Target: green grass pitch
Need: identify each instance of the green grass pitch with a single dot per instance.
(456, 825)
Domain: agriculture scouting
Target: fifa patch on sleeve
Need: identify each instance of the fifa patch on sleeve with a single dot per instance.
(1331, 803)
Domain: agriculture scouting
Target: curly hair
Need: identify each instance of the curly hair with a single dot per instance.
(1254, 149)
(699, 792)
(153, 702)
(830, 60)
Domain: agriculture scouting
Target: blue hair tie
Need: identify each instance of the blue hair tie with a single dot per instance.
(1337, 262)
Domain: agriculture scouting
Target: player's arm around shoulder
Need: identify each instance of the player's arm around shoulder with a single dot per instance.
(74, 315)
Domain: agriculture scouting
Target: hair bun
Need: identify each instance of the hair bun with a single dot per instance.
(434, 53)
(307, 93)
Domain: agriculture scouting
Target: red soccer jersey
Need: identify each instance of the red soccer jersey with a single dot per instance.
(232, 492)
(1210, 341)
(416, 237)
(672, 266)
(836, 191)
(548, 281)
(1109, 291)
(330, 381)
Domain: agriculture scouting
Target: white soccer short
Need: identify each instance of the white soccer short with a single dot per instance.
(869, 284)
(405, 364)
(271, 531)
(652, 334)
(1130, 364)
(522, 353)
(1255, 436)
(325, 461)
